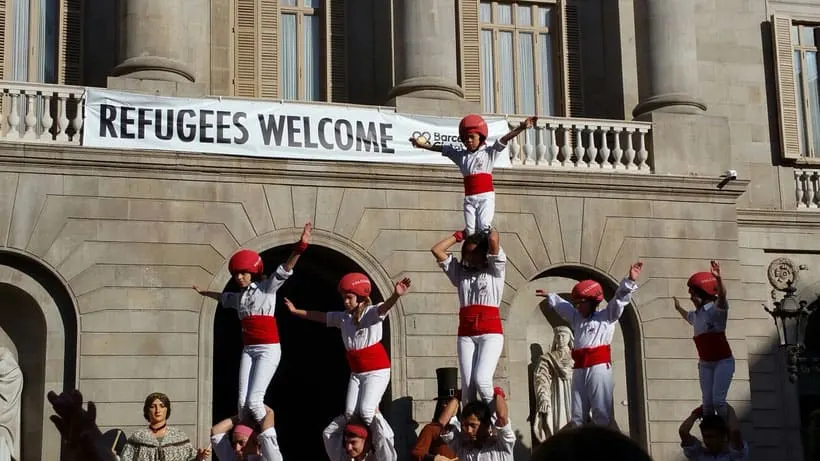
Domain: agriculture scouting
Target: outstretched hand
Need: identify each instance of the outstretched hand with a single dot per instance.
(541, 293)
(290, 306)
(715, 269)
(198, 289)
(306, 232)
(677, 303)
(415, 142)
(203, 453)
(635, 270)
(529, 122)
(402, 286)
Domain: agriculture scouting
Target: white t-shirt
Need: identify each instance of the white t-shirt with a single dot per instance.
(708, 319)
(366, 334)
(470, 163)
(257, 298)
(268, 445)
(381, 438)
(696, 452)
(500, 447)
(484, 286)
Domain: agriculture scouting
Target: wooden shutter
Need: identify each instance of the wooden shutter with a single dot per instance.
(336, 51)
(786, 92)
(256, 48)
(469, 46)
(70, 59)
(572, 84)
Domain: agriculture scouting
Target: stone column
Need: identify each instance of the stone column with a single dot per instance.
(165, 40)
(426, 61)
(671, 66)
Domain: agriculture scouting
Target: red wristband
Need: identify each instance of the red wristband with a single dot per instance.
(498, 391)
(459, 235)
(300, 247)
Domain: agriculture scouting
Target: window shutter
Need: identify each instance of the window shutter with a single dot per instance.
(244, 48)
(268, 55)
(470, 49)
(255, 48)
(786, 92)
(572, 94)
(71, 42)
(336, 65)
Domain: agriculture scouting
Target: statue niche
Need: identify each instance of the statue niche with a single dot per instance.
(552, 383)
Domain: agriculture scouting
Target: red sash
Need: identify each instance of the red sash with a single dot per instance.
(370, 358)
(589, 356)
(478, 183)
(260, 329)
(712, 346)
(476, 319)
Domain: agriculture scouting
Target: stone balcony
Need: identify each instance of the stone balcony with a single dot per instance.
(807, 188)
(53, 114)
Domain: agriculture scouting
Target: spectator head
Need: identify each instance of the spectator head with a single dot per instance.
(590, 443)
(475, 421)
(715, 433)
(157, 408)
(357, 437)
(244, 441)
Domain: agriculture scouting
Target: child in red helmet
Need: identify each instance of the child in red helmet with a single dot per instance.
(256, 304)
(592, 384)
(716, 365)
(476, 161)
(361, 327)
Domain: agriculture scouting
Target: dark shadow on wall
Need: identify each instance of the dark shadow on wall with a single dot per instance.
(310, 385)
(766, 37)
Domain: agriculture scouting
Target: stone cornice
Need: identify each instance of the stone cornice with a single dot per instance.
(73, 160)
(779, 219)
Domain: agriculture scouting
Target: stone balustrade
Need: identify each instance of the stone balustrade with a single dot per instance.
(41, 113)
(807, 188)
(583, 144)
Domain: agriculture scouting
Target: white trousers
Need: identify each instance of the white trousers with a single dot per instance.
(592, 389)
(715, 379)
(479, 210)
(477, 359)
(364, 392)
(256, 369)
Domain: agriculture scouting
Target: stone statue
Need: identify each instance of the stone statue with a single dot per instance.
(552, 381)
(11, 389)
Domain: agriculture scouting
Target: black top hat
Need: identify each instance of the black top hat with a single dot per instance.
(447, 382)
(114, 442)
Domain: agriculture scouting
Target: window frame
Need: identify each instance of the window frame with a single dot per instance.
(556, 48)
(808, 114)
(300, 11)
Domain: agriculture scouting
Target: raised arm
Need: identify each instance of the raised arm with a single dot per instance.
(527, 123)
(208, 294)
(299, 247)
(683, 312)
(502, 412)
(448, 412)
(721, 302)
(319, 317)
(398, 291)
(561, 306)
(225, 426)
(425, 145)
(439, 250)
(382, 438)
(685, 429)
(494, 245)
(623, 295)
(333, 437)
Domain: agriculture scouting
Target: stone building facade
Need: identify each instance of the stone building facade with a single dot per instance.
(99, 247)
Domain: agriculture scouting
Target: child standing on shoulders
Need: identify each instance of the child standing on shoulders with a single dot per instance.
(476, 161)
(361, 328)
(716, 365)
(479, 278)
(255, 304)
(592, 384)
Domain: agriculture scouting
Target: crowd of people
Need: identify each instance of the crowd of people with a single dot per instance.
(471, 421)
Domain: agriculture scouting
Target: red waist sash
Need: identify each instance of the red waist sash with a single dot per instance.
(713, 346)
(478, 183)
(260, 329)
(590, 356)
(370, 358)
(477, 319)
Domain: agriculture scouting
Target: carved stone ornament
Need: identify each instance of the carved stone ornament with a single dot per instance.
(782, 271)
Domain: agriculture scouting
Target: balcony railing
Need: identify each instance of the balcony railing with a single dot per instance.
(42, 113)
(807, 188)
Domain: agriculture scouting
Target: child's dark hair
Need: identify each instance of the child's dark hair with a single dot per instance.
(590, 443)
(478, 409)
(704, 295)
(480, 240)
(714, 422)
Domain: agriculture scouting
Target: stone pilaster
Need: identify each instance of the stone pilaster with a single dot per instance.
(670, 52)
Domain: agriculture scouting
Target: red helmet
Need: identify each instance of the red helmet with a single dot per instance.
(705, 282)
(472, 124)
(355, 283)
(356, 430)
(588, 290)
(245, 261)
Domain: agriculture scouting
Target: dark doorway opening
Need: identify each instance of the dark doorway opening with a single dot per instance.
(309, 387)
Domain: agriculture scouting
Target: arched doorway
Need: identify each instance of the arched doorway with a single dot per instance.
(311, 382)
(38, 318)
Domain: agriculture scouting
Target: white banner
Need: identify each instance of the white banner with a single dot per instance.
(121, 120)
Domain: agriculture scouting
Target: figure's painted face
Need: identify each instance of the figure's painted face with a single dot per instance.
(243, 279)
(561, 340)
(472, 141)
(158, 412)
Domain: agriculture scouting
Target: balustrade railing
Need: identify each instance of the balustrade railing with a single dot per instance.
(807, 188)
(41, 113)
(583, 144)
